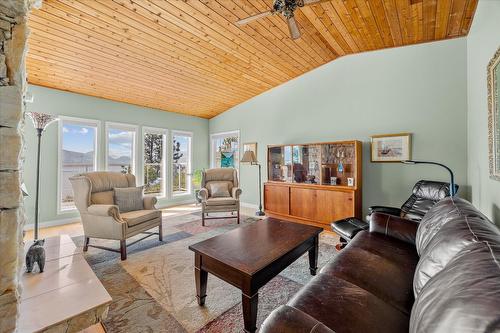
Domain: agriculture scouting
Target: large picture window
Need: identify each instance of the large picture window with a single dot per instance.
(154, 144)
(225, 150)
(181, 162)
(120, 147)
(77, 154)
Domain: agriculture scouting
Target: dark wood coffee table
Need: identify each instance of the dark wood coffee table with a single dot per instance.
(248, 257)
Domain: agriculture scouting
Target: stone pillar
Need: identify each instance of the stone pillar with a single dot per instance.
(13, 46)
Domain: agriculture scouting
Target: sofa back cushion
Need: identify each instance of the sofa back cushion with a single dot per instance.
(464, 296)
(452, 238)
(440, 214)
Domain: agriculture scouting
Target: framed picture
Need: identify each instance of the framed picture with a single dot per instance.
(252, 146)
(391, 147)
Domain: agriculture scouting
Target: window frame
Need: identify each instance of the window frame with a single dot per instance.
(164, 132)
(126, 127)
(212, 147)
(97, 153)
(189, 172)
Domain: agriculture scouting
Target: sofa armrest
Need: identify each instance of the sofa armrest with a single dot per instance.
(393, 226)
(203, 194)
(236, 192)
(149, 202)
(288, 319)
(384, 209)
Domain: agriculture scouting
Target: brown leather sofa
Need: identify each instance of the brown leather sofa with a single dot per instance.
(442, 275)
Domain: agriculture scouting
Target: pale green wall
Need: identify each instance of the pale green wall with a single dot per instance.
(419, 89)
(69, 104)
(482, 42)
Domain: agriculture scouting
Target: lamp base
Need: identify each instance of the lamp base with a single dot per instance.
(260, 213)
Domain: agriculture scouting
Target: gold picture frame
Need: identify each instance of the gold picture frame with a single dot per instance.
(390, 148)
(494, 115)
(252, 146)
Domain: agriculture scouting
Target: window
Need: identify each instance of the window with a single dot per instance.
(181, 162)
(225, 150)
(154, 144)
(77, 154)
(120, 147)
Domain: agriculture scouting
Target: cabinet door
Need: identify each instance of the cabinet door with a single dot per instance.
(276, 199)
(303, 203)
(333, 205)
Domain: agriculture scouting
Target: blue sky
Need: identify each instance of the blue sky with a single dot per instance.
(120, 143)
(78, 138)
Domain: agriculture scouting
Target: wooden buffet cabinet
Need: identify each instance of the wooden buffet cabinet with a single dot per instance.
(314, 183)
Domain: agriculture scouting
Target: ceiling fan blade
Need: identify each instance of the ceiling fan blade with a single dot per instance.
(293, 27)
(254, 17)
(312, 2)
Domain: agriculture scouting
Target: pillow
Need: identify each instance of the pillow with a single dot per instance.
(219, 190)
(128, 198)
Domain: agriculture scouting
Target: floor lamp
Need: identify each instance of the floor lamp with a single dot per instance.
(40, 122)
(453, 189)
(249, 157)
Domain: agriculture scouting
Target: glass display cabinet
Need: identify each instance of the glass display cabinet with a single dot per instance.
(315, 183)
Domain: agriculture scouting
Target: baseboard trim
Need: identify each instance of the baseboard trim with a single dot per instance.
(52, 223)
(249, 205)
(176, 203)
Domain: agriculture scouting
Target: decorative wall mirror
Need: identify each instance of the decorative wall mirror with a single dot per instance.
(494, 115)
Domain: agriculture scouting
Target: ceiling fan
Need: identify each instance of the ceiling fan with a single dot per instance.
(285, 8)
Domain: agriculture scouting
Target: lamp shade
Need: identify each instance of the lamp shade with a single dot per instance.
(249, 157)
(41, 120)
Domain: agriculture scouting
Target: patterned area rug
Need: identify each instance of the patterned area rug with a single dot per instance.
(154, 291)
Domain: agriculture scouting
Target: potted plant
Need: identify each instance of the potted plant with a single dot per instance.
(197, 184)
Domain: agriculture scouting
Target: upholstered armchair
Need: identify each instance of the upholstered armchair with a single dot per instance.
(219, 193)
(93, 194)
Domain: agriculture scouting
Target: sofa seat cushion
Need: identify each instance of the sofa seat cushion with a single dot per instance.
(388, 276)
(221, 201)
(344, 307)
(139, 216)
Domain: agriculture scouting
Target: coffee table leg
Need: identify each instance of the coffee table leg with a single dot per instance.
(250, 312)
(313, 256)
(201, 278)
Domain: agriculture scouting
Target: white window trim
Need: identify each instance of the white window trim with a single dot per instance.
(125, 127)
(212, 148)
(164, 132)
(190, 164)
(86, 122)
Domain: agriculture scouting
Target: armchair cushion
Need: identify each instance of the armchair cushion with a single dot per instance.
(212, 185)
(129, 198)
(102, 198)
(139, 216)
(221, 201)
(105, 210)
(219, 189)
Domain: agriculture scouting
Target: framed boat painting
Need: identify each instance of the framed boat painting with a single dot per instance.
(391, 147)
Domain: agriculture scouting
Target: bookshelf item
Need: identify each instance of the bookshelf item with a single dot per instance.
(315, 183)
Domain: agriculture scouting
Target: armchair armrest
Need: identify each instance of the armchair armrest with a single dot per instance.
(393, 226)
(288, 319)
(149, 202)
(203, 194)
(384, 209)
(105, 210)
(236, 192)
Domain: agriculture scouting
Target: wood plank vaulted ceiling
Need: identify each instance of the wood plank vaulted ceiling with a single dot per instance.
(189, 56)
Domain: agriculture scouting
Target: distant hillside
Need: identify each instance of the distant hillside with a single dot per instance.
(74, 157)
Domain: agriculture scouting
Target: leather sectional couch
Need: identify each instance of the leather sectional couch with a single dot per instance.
(439, 275)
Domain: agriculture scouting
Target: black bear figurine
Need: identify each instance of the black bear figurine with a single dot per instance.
(36, 254)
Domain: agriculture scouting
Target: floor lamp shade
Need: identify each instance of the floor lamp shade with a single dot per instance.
(249, 157)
